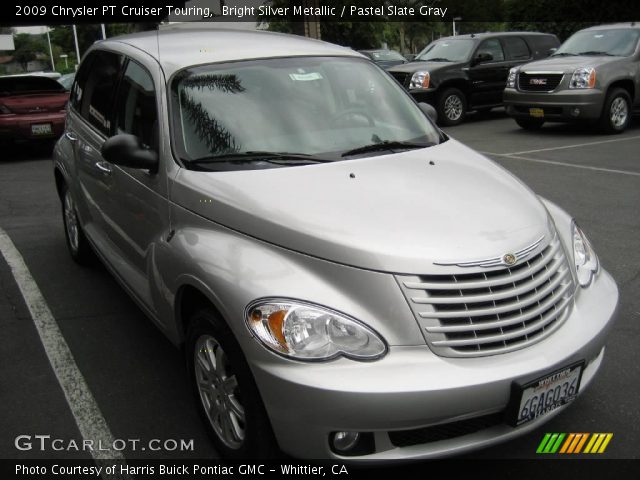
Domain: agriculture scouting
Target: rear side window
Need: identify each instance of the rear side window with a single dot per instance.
(136, 111)
(95, 93)
(492, 47)
(541, 44)
(516, 48)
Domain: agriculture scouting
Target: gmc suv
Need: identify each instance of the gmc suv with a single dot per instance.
(468, 72)
(594, 76)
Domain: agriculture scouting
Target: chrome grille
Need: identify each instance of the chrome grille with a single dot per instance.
(493, 311)
(539, 82)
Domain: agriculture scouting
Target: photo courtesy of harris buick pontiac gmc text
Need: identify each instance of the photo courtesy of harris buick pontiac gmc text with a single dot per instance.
(346, 280)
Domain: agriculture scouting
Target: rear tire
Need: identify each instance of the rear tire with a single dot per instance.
(616, 112)
(530, 123)
(78, 245)
(225, 391)
(452, 107)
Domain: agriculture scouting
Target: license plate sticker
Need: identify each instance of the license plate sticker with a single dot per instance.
(547, 393)
(41, 129)
(536, 112)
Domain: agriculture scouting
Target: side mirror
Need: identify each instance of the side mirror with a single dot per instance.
(127, 151)
(410, 57)
(429, 111)
(552, 51)
(482, 58)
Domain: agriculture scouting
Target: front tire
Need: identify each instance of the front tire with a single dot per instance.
(530, 123)
(452, 107)
(77, 244)
(616, 113)
(227, 395)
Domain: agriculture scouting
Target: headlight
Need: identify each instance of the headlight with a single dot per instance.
(4, 109)
(583, 78)
(420, 80)
(586, 260)
(511, 79)
(309, 332)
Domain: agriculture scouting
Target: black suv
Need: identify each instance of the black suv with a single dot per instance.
(469, 72)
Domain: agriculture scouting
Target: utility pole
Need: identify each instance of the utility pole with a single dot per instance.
(53, 64)
(75, 37)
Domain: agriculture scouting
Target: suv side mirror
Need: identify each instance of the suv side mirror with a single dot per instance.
(127, 150)
(482, 57)
(429, 111)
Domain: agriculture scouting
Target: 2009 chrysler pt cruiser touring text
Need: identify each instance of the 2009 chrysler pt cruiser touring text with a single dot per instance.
(346, 280)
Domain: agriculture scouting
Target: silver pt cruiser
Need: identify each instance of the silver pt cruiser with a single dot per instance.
(345, 279)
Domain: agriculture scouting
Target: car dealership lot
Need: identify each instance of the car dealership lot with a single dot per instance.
(137, 377)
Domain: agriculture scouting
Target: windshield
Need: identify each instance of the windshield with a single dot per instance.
(382, 55)
(619, 42)
(447, 51)
(314, 106)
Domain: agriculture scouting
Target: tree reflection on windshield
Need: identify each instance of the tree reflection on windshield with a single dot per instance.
(217, 138)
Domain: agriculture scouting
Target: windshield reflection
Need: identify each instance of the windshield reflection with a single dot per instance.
(320, 106)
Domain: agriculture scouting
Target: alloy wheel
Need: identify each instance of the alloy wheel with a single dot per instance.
(619, 112)
(219, 394)
(71, 221)
(453, 107)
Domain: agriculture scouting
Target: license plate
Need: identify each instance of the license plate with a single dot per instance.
(545, 394)
(41, 129)
(536, 112)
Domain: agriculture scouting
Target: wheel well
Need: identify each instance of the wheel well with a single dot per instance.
(59, 182)
(188, 301)
(459, 84)
(625, 84)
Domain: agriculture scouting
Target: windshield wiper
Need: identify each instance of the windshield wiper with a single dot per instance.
(436, 59)
(595, 52)
(564, 54)
(257, 156)
(386, 145)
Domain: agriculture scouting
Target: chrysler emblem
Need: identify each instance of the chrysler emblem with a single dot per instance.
(509, 259)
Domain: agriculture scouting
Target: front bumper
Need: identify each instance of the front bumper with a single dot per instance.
(557, 106)
(412, 388)
(425, 95)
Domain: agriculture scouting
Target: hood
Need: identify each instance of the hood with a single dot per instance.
(416, 66)
(398, 214)
(569, 64)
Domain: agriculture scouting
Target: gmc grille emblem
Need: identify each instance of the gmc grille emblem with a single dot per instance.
(537, 81)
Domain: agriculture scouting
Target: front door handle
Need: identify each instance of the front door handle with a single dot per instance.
(70, 135)
(104, 167)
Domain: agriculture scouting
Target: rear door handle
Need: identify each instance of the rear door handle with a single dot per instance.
(104, 167)
(70, 135)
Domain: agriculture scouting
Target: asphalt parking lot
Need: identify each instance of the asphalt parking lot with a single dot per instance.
(137, 377)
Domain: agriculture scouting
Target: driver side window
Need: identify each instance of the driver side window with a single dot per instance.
(493, 48)
(136, 111)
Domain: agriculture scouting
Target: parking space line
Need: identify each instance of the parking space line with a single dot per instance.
(565, 164)
(563, 147)
(84, 408)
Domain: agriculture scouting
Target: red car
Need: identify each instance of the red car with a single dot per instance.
(31, 108)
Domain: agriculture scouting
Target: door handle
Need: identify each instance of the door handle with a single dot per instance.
(104, 167)
(70, 135)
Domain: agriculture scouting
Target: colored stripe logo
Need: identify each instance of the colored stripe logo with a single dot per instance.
(573, 443)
